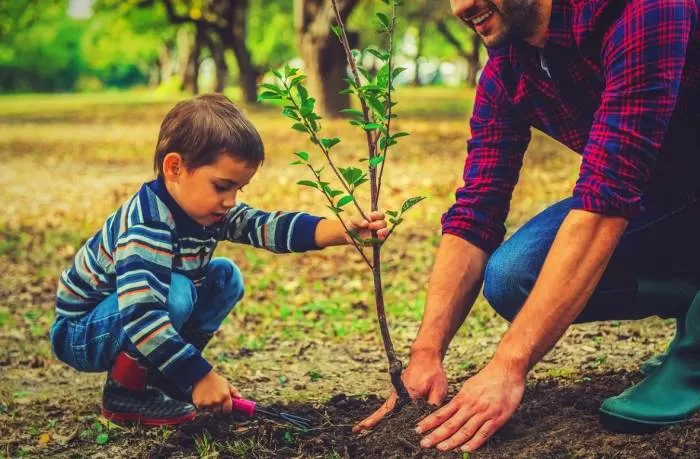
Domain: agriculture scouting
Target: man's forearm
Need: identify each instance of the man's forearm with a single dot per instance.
(454, 284)
(575, 263)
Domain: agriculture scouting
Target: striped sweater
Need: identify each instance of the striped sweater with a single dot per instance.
(138, 248)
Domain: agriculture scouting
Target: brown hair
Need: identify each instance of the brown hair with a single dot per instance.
(204, 127)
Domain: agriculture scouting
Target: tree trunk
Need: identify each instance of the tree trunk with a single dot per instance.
(472, 58)
(324, 60)
(217, 50)
(419, 52)
(247, 72)
(190, 78)
(473, 61)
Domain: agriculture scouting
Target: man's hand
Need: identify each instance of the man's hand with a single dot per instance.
(214, 393)
(364, 227)
(424, 377)
(485, 402)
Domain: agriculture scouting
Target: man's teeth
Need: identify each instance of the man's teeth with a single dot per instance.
(479, 19)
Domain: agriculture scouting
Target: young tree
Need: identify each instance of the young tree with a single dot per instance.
(374, 120)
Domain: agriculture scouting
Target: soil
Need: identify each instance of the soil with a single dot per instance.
(555, 420)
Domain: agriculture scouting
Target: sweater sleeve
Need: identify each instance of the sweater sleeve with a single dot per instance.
(143, 263)
(279, 232)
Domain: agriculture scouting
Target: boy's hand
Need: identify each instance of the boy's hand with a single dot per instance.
(376, 222)
(214, 393)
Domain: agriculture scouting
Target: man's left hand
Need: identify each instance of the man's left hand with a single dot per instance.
(485, 402)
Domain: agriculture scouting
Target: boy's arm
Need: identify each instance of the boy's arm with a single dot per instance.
(279, 232)
(143, 264)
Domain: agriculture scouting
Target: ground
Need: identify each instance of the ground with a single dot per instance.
(305, 335)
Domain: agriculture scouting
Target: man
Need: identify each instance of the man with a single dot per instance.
(619, 82)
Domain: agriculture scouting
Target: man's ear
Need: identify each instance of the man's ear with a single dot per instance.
(173, 166)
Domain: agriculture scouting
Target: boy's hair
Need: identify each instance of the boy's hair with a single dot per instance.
(202, 128)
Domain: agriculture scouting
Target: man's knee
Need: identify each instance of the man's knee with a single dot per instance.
(507, 282)
(181, 299)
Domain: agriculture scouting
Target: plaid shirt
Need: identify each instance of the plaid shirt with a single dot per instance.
(621, 87)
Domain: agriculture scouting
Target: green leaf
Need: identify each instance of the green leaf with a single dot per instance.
(302, 154)
(356, 54)
(352, 111)
(381, 55)
(329, 143)
(392, 213)
(357, 123)
(345, 200)
(315, 376)
(278, 75)
(376, 161)
(351, 174)
(307, 107)
(383, 20)
(397, 71)
(377, 106)
(410, 202)
(383, 76)
(297, 80)
(290, 113)
(346, 91)
(335, 210)
(334, 193)
(303, 93)
(299, 127)
(337, 30)
(102, 439)
(365, 73)
(269, 95)
(400, 134)
(371, 126)
(295, 163)
(308, 183)
(272, 87)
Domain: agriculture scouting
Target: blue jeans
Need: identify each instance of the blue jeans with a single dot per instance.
(662, 244)
(92, 342)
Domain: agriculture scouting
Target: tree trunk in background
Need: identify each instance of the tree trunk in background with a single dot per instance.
(324, 58)
(473, 59)
(419, 51)
(190, 76)
(217, 50)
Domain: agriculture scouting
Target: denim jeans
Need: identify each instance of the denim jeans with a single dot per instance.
(662, 244)
(92, 342)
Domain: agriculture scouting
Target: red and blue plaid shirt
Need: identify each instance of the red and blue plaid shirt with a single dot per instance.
(622, 89)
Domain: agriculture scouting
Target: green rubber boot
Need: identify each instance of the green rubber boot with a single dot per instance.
(675, 295)
(669, 395)
(657, 360)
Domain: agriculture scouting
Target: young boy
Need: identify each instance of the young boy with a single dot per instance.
(144, 296)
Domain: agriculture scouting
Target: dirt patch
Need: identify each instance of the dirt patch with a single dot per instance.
(555, 420)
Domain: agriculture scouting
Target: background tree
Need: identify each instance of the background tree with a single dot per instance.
(323, 56)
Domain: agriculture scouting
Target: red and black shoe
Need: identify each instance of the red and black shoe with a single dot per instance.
(127, 397)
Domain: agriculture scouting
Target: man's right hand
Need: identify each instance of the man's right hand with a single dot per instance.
(424, 377)
(214, 393)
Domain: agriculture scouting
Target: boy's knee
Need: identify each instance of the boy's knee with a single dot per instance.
(181, 299)
(226, 278)
(507, 283)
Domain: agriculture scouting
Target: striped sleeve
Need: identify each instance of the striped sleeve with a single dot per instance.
(143, 263)
(279, 232)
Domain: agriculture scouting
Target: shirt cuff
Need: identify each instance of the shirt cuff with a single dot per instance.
(612, 208)
(304, 237)
(185, 373)
(486, 245)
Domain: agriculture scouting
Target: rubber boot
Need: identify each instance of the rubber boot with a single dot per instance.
(673, 297)
(669, 395)
(198, 339)
(654, 362)
(128, 398)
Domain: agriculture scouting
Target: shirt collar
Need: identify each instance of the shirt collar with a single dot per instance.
(184, 224)
(559, 31)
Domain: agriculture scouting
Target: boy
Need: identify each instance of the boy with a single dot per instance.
(144, 296)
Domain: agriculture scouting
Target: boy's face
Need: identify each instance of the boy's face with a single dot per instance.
(206, 193)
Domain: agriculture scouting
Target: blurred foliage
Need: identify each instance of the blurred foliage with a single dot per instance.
(121, 44)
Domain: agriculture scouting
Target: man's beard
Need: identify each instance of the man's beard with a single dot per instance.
(520, 19)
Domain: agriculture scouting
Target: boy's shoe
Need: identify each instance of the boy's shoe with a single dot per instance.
(670, 395)
(198, 339)
(128, 398)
